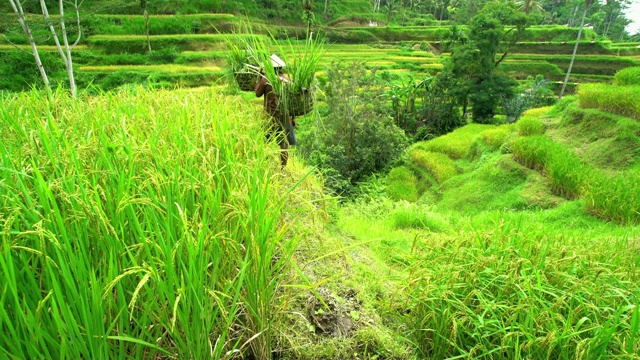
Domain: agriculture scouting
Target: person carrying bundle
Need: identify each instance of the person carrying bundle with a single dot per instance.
(282, 126)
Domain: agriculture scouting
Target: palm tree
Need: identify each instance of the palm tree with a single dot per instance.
(527, 6)
(587, 3)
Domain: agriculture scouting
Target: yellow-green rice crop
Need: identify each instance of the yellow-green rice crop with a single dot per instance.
(437, 164)
(138, 225)
(457, 143)
(621, 100)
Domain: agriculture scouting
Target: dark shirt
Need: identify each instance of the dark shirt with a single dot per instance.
(270, 98)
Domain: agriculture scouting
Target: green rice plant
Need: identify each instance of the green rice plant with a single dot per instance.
(498, 136)
(439, 165)
(401, 184)
(620, 100)
(514, 294)
(628, 76)
(538, 112)
(134, 226)
(615, 198)
(456, 144)
(412, 216)
(530, 125)
(567, 172)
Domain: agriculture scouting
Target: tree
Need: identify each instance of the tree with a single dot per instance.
(145, 13)
(16, 5)
(356, 140)
(474, 60)
(587, 3)
(57, 28)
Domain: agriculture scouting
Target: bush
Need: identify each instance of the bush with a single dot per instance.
(355, 140)
(628, 76)
(401, 184)
(437, 164)
(621, 100)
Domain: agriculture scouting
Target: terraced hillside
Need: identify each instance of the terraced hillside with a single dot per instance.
(189, 50)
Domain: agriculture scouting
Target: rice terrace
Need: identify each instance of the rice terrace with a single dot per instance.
(319, 179)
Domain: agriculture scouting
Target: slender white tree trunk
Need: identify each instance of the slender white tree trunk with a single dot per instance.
(17, 8)
(65, 53)
(575, 49)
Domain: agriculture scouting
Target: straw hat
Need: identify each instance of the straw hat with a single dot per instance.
(276, 61)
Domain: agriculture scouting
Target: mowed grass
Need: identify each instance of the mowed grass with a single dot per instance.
(139, 225)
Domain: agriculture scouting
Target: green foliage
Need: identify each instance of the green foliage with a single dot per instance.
(530, 125)
(494, 138)
(19, 71)
(455, 145)
(628, 76)
(133, 239)
(473, 59)
(355, 141)
(437, 164)
(99, 24)
(439, 110)
(614, 198)
(518, 312)
(412, 216)
(621, 100)
(401, 184)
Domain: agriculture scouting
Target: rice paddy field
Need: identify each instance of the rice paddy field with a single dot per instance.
(155, 223)
(119, 41)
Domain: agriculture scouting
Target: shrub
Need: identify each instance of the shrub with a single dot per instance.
(401, 184)
(628, 76)
(437, 164)
(530, 125)
(621, 100)
(355, 141)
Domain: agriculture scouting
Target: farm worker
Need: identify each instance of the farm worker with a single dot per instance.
(282, 126)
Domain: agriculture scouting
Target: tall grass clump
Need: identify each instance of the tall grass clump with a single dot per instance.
(138, 225)
(296, 97)
(530, 125)
(510, 294)
(621, 100)
(615, 198)
(437, 164)
(457, 143)
(627, 76)
(567, 172)
(401, 184)
(494, 138)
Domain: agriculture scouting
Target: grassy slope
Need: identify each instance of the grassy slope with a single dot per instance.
(499, 264)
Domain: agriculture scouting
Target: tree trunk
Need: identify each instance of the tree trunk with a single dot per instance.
(65, 53)
(575, 49)
(146, 27)
(17, 8)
